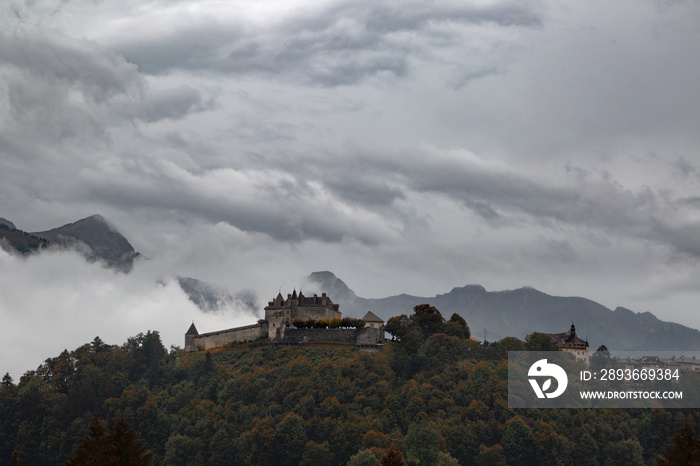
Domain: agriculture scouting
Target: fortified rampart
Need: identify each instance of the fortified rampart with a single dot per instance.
(221, 338)
(357, 336)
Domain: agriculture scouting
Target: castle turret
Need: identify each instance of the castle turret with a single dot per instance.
(190, 335)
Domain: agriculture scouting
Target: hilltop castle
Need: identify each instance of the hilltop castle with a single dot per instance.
(278, 325)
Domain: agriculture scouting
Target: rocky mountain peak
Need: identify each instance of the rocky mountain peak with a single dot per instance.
(327, 282)
(7, 223)
(103, 241)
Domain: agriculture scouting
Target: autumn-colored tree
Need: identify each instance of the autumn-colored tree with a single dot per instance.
(299, 323)
(94, 449)
(373, 439)
(335, 323)
(321, 323)
(310, 323)
(684, 448)
(258, 445)
(550, 448)
(392, 457)
(491, 456)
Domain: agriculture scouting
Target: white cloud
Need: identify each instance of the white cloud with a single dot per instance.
(57, 301)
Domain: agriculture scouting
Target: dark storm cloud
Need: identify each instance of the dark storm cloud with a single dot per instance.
(73, 88)
(337, 44)
(280, 205)
(97, 72)
(577, 198)
(174, 103)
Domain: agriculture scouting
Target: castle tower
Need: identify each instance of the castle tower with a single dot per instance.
(191, 334)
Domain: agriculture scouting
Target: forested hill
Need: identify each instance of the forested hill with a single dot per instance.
(435, 397)
(493, 315)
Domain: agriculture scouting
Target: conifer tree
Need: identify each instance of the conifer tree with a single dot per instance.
(120, 448)
(125, 448)
(684, 448)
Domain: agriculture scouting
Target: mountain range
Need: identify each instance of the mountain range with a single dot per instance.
(491, 315)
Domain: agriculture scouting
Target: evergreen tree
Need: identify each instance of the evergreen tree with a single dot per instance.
(92, 450)
(125, 447)
(7, 381)
(120, 448)
(684, 448)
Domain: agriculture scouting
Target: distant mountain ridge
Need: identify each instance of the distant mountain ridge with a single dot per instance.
(498, 314)
(215, 298)
(94, 237)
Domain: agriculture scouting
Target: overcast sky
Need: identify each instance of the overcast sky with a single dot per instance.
(408, 146)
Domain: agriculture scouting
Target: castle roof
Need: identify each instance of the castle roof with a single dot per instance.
(372, 317)
(192, 330)
(567, 339)
(302, 300)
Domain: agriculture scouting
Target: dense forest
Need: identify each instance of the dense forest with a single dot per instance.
(430, 397)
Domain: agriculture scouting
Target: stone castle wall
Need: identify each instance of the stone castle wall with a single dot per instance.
(355, 336)
(221, 338)
(369, 336)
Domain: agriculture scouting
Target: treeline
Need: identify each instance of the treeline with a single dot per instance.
(433, 397)
(345, 322)
(21, 241)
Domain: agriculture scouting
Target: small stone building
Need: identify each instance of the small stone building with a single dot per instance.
(371, 320)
